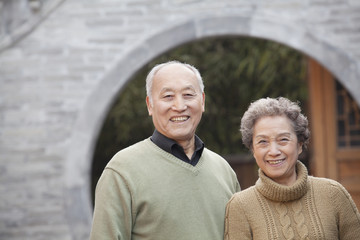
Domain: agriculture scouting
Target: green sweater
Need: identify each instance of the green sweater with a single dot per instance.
(313, 208)
(147, 193)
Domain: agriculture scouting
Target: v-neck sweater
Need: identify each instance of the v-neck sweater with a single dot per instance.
(312, 208)
(147, 193)
(171, 146)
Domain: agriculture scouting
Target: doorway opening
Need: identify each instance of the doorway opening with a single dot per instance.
(236, 71)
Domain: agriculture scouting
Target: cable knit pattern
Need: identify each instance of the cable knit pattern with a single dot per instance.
(285, 221)
(312, 208)
(314, 218)
(300, 220)
(269, 218)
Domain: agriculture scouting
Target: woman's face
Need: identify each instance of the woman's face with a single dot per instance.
(276, 148)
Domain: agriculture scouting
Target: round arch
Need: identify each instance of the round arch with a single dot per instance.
(79, 158)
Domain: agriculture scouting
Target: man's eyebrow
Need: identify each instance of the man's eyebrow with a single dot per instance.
(167, 89)
(189, 88)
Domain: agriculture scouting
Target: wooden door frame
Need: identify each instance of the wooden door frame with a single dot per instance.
(328, 159)
(322, 121)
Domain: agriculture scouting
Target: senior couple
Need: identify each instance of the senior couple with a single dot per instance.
(170, 187)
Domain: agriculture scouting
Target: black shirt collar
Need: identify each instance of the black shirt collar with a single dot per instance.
(175, 149)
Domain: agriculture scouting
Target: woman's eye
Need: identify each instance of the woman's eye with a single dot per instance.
(284, 141)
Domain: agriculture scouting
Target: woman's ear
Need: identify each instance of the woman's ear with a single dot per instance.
(252, 149)
(300, 148)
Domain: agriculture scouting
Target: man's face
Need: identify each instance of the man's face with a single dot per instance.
(177, 102)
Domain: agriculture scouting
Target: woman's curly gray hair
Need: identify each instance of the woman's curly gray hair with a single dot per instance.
(274, 107)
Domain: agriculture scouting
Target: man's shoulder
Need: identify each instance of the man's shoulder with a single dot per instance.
(215, 158)
(131, 154)
(209, 153)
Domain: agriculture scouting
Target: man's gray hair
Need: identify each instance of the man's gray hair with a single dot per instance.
(154, 70)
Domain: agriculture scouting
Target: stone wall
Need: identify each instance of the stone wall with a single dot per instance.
(59, 76)
(19, 17)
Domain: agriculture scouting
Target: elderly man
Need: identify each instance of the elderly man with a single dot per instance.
(168, 186)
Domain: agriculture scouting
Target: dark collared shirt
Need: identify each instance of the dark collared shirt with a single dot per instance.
(175, 149)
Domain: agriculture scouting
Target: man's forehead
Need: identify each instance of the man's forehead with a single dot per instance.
(174, 67)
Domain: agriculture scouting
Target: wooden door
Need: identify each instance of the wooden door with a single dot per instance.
(335, 131)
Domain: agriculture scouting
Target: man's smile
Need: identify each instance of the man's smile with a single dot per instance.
(179, 119)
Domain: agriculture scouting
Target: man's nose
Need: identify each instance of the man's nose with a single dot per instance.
(179, 104)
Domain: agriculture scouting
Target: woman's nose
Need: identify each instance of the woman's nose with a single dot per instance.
(274, 149)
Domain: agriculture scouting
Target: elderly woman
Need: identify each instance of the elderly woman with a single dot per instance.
(286, 203)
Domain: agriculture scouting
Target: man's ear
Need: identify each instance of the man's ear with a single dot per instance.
(203, 102)
(149, 105)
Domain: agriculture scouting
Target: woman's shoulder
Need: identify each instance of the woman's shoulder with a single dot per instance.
(328, 186)
(247, 202)
(324, 182)
(245, 196)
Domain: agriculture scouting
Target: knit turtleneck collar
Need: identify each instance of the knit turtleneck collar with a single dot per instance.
(281, 193)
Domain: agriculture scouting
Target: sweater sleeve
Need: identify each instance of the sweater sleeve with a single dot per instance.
(236, 224)
(348, 214)
(112, 212)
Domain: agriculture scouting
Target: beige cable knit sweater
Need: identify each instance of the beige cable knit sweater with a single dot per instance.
(313, 208)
